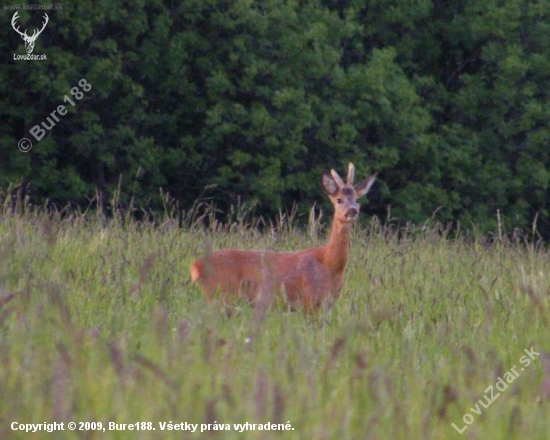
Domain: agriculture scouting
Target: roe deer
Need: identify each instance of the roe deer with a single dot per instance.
(310, 278)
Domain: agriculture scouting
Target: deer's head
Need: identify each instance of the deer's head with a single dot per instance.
(29, 41)
(345, 196)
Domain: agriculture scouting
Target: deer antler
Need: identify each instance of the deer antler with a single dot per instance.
(16, 29)
(35, 34)
(351, 174)
(44, 23)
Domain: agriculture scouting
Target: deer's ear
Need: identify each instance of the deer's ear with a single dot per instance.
(328, 184)
(363, 187)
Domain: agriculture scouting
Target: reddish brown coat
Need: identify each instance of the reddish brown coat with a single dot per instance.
(310, 278)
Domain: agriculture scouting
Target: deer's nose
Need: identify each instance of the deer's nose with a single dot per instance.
(352, 213)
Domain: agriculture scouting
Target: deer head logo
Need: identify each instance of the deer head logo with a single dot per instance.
(29, 41)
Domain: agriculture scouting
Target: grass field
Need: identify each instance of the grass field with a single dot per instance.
(98, 323)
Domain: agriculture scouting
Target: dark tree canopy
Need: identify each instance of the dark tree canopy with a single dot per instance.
(246, 100)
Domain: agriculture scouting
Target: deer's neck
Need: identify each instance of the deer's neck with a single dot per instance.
(337, 248)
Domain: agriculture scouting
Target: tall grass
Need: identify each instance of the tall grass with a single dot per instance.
(99, 323)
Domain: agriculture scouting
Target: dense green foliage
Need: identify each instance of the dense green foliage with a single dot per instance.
(98, 323)
(248, 100)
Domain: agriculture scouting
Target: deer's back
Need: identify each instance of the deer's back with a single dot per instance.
(302, 277)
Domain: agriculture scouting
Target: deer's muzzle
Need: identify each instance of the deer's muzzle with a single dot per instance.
(351, 214)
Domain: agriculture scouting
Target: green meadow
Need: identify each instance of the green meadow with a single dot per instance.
(100, 326)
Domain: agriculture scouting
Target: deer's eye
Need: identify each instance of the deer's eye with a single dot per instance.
(339, 201)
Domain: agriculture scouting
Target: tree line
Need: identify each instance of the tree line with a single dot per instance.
(251, 100)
